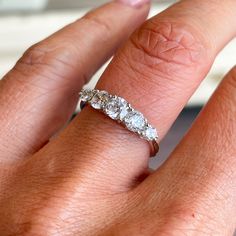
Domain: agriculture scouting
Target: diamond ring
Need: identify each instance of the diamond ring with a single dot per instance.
(119, 109)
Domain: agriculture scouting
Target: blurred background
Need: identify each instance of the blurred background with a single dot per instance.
(25, 22)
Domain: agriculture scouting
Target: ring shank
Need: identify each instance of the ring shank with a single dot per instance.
(154, 148)
(118, 109)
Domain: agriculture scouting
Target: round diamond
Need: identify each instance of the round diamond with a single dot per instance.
(86, 95)
(150, 133)
(99, 99)
(124, 109)
(112, 108)
(116, 108)
(135, 121)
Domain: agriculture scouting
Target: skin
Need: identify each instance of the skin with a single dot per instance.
(91, 178)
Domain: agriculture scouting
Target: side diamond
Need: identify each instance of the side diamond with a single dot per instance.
(150, 133)
(116, 108)
(112, 108)
(135, 121)
(99, 99)
(86, 95)
(124, 108)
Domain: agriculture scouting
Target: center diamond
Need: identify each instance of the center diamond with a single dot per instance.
(116, 108)
(135, 121)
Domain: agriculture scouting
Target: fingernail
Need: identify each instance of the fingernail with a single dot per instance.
(134, 3)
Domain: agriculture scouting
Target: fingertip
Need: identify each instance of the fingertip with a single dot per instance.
(134, 3)
(138, 10)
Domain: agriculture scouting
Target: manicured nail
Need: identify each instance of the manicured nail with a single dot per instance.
(134, 3)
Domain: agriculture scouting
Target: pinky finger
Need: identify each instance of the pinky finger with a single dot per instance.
(201, 172)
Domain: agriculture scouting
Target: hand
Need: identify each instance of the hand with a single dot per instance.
(92, 178)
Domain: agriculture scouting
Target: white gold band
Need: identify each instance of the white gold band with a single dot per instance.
(119, 109)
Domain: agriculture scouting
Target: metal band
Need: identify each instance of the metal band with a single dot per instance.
(119, 109)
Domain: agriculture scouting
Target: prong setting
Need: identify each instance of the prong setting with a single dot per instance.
(119, 109)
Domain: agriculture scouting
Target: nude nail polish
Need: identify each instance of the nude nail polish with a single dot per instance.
(134, 3)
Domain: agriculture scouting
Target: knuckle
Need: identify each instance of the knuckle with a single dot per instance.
(46, 61)
(184, 219)
(35, 55)
(98, 22)
(47, 54)
(169, 46)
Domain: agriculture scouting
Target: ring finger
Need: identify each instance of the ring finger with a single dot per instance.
(156, 71)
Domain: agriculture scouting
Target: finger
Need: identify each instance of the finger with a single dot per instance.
(156, 71)
(40, 93)
(200, 175)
